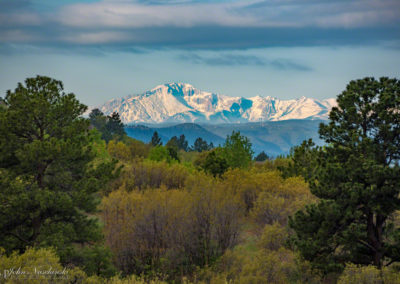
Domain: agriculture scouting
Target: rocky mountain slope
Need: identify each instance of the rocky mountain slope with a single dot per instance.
(180, 103)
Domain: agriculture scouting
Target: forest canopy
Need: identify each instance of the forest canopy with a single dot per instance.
(78, 193)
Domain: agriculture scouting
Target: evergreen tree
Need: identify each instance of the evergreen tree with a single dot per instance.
(95, 113)
(99, 121)
(200, 145)
(155, 140)
(304, 161)
(261, 157)
(115, 125)
(173, 153)
(173, 143)
(237, 150)
(183, 143)
(357, 178)
(172, 147)
(110, 127)
(47, 178)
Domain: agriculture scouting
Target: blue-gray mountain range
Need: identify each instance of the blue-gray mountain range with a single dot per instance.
(271, 124)
(273, 137)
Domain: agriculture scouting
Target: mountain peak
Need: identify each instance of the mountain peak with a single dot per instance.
(182, 103)
(174, 86)
(179, 85)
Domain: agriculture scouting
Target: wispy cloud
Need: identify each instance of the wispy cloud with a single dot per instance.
(98, 37)
(243, 60)
(223, 60)
(287, 64)
(138, 15)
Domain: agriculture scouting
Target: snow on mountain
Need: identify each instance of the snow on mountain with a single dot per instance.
(179, 102)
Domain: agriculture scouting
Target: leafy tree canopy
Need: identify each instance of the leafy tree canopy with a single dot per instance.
(215, 163)
(237, 150)
(161, 153)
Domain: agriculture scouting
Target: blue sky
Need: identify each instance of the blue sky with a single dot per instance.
(282, 48)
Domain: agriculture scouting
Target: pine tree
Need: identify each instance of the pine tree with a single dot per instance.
(173, 143)
(261, 157)
(115, 125)
(110, 127)
(48, 180)
(183, 143)
(200, 145)
(155, 140)
(173, 148)
(357, 178)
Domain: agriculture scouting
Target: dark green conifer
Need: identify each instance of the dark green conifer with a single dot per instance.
(200, 145)
(261, 157)
(183, 143)
(155, 140)
(356, 176)
(48, 181)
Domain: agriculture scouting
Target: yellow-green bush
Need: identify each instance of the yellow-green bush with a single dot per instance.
(119, 150)
(273, 237)
(276, 204)
(142, 174)
(133, 279)
(32, 261)
(128, 149)
(354, 274)
(169, 231)
(248, 184)
(138, 148)
(261, 266)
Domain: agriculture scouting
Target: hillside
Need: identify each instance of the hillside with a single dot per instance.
(273, 137)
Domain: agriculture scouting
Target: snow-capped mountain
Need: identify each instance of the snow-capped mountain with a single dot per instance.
(179, 102)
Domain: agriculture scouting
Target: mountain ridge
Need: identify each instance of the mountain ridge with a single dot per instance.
(181, 103)
(273, 137)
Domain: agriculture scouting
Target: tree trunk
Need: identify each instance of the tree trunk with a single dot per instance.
(375, 237)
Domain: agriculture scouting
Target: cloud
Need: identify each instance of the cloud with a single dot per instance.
(329, 14)
(271, 13)
(15, 5)
(243, 60)
(138, 15)
(20, 19)
(125, 24)
(98, 37)
(286, 64)
(223, 60)
(212, 38)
